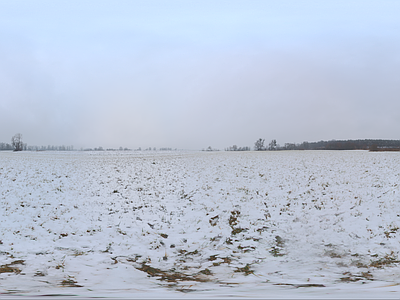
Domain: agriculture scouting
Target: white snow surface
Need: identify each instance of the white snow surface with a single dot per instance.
(298, 224)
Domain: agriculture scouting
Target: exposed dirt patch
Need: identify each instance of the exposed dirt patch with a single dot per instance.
(11, 268)
(172, 275)
(69, 282)
(387, 260)
(214, 220)
(356, 277)
(246, 270)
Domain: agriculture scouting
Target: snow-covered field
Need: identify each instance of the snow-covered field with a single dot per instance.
(200, 224)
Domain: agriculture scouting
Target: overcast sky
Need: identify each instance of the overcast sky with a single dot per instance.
(192, 74)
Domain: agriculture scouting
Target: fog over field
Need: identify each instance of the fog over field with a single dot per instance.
(193, 74)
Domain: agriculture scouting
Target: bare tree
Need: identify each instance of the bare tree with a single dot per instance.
(259, 145)
(272, 145)
(16, 142)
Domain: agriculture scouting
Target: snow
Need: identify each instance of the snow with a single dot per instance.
(298, 224)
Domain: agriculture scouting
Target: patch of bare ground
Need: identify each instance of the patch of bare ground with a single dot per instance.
(246, 270)
(11, 267)
(278, 247)
(387, 260)
(172, 275)
(356, 277)
(70, 282)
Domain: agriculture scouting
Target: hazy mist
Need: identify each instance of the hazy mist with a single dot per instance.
(193, 74)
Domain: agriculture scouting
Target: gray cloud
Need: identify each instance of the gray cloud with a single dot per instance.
(194, 78)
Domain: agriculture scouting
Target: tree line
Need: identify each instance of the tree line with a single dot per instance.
(258, 146)
(17, 145)
(366, 144)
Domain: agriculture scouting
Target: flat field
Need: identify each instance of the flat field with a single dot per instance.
(200, 224)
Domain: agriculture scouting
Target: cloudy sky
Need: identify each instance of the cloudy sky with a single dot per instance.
(196, 73)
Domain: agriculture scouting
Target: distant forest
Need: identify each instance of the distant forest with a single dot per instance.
(25, 147)
(345, 145)
(18, 145)
(372, 145)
